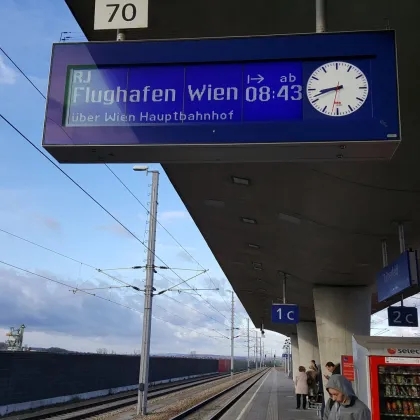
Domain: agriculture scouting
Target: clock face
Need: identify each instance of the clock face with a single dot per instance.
(337, 89)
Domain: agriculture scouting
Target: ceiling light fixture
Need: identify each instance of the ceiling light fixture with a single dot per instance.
(248, 220)
(254, 246)
(241, 181)
(214, 203)
(289, 218)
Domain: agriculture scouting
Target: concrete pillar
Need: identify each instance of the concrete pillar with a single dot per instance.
(340, 312)
(308, 343)
(295, 355)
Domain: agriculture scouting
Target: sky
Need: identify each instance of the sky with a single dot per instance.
(40, 205)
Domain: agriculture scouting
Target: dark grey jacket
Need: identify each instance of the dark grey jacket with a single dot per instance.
(353, 409)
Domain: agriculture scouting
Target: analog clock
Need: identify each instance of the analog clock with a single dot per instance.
(337, 89)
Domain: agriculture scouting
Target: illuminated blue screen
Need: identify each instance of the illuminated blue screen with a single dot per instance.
(179, 94)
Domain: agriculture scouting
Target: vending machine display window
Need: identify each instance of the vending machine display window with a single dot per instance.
(399, 390)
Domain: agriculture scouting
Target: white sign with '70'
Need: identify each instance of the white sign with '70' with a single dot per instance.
(121, 14)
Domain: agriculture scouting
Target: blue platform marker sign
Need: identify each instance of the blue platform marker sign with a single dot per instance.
(402, 316)
(284, 314)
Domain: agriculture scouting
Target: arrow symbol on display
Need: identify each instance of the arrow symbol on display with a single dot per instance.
(259, 79)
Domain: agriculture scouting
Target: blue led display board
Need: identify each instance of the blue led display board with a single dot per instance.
(196, 94)
(206, 99)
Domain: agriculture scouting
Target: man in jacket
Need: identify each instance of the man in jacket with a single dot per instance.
(333, 369)
(343, 403)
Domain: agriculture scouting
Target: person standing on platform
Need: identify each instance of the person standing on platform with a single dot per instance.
(301, 387)
(343, 403)
(333, 369)
(314, 366)
(312, 382)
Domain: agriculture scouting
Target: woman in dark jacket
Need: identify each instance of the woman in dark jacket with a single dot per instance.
(343, 403)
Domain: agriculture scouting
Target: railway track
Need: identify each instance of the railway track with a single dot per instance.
(96, 407)
(214, 407)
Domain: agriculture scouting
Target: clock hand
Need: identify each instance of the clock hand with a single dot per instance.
(322, 91)
(335, 97)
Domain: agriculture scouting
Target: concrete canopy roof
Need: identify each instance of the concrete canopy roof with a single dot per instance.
(321, 223)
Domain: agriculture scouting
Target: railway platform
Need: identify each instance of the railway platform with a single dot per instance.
(273, 398)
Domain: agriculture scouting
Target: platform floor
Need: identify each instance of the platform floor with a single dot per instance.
(272, 399)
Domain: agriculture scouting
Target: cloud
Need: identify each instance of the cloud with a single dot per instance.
(48, 307)
(170, 216)
(185, 256)
(7, 74)
(116, 229)
(47, 221)
(56, 317)
(53, 315)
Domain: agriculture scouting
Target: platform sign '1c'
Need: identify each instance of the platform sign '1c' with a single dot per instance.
(284, 314)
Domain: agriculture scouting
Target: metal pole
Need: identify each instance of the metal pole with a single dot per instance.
(401, 237)
(384, 253)
(290, 360)
(120, 35)
(148, 297)
(256, 349)
(263, 355)
(231, 336)
(320, 16)
(248, 344)
(260, 352)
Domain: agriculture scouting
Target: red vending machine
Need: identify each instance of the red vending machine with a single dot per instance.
(387, 376)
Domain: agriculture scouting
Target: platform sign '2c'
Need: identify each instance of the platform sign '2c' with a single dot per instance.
(284, 314)
(402, 316)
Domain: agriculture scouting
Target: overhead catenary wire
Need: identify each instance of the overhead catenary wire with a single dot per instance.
(127, 285)
(22, 72)
(67, 285)
(137, 267)
(67, 257)
(99, 204)
(178, 316)
(100, 297)
(105, 299)
(307, 219)
(164, 228)
(194, 309)
(207, 302)
(90, 196)
(94, 200)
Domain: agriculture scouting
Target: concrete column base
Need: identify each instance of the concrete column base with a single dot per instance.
(295, 355)
(340, 312)
(308, 343)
